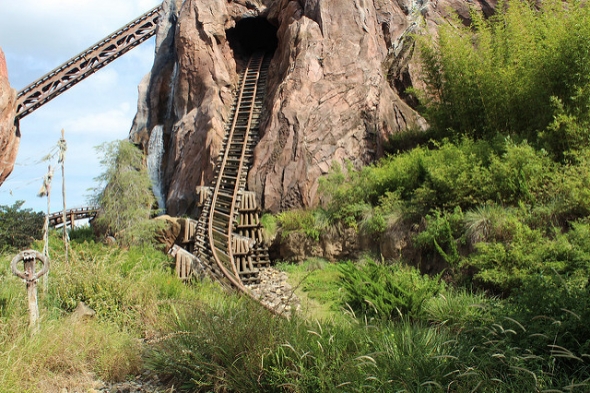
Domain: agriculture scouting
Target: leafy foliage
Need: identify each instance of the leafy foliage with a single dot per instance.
(19, 227)
(125, 194)
(522, 72)
(310, 222)
(387, 291)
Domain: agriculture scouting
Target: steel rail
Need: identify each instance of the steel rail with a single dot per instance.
(87, 63)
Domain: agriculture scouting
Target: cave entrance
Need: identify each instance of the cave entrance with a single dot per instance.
(252, 35)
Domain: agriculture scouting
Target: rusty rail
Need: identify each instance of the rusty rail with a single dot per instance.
(228, 209)
(87, 63)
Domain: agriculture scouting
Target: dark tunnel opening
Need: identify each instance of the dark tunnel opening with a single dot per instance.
(252, 35)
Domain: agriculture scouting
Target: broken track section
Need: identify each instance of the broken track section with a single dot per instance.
(229, 236)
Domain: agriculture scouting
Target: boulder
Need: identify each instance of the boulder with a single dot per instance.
(82, 313)
(169, 234)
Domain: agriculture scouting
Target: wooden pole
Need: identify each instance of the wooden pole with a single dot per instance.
(30, 276)
(32, 295)
(62, 158)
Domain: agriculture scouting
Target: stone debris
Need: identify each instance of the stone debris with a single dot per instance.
(275, 292)
(148, 382)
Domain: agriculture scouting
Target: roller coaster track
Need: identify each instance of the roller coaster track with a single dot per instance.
(87, 63)
(229, 239)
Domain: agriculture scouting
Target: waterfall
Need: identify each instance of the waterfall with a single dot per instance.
(172, 88)
(154, 164)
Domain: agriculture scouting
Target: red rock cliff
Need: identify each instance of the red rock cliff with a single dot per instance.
(9, 134)
(335, 93)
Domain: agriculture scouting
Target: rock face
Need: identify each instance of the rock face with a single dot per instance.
(336, 88)
(9, 133)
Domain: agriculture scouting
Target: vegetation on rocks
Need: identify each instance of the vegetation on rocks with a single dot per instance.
(125, 195)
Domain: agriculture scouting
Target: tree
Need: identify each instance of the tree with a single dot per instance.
(125, 194)
(19, 227)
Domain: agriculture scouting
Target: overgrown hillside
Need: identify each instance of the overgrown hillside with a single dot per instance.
(495, 198)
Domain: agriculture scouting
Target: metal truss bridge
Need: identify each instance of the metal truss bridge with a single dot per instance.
(87, 63)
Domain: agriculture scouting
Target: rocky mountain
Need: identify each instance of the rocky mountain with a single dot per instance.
(336, 88)
(9, 133)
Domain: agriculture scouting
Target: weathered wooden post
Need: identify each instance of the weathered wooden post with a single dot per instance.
(30, 276)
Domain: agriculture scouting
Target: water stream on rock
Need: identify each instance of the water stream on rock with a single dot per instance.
(154, 164)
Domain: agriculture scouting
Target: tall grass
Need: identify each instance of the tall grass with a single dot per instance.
(129, 290)
(235, 345)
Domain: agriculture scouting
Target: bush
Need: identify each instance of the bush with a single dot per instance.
(443, 236)
(449, 175)
(125, 196)
(517, 73)
(387, 291)
(310, 222)
(81, 234)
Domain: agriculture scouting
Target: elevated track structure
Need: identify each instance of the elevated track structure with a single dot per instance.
(87, 63)
(72, 215)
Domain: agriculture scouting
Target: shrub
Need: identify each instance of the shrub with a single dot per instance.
(387, 291)
(310, 222)
(269, 227)
(125, 196)
(442, 236)
(521, 71)
(19, 227)
(82, 234)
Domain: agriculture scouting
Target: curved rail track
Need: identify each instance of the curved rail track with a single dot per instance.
(229, 232)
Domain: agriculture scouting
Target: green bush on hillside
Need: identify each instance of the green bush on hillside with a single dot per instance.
(387, 291)
(466, 174)
(523, 72)
(125, 195)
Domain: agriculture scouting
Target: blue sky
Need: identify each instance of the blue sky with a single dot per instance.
(39, 35)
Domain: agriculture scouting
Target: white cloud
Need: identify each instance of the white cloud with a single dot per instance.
(33, 27)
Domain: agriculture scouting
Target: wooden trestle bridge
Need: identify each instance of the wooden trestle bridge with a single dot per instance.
(72, 215)
(226, 242)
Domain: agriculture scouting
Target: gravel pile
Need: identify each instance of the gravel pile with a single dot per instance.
(275, 292)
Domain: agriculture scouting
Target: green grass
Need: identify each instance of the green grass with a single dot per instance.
(316, 283)
(199, 338)
(131, 292)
